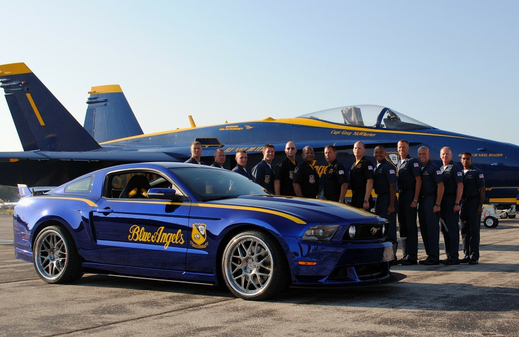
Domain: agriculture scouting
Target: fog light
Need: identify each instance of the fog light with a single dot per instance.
(352, 231)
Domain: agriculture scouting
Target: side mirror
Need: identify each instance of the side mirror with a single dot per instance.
(163, 193)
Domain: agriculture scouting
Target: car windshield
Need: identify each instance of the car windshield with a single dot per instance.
(368, 116)
(211, 183)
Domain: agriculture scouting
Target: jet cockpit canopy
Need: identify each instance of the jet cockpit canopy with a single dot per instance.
(373, 116)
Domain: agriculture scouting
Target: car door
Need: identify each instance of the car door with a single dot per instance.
(138, 231)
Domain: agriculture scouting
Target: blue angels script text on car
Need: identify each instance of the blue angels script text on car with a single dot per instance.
(139, 234)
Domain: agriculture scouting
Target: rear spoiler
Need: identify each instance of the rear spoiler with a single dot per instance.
(26, 191)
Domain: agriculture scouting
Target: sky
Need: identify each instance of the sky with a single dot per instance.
(450, 64)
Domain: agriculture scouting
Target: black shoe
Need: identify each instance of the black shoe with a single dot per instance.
(471, 261)
(409, 262)
(428, 262)
(450, 262)
(466, 259)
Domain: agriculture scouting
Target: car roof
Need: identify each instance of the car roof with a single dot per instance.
(142, 165)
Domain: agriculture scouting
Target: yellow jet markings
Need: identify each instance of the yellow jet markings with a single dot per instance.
(14, 69)
(327, 125)
(503, 200)
(301, 122)
(35, 109)
(105, 89)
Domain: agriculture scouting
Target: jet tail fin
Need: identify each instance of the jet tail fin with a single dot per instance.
(109, 115)
(41, 120)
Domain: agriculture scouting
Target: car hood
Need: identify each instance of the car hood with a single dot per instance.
(309, 210)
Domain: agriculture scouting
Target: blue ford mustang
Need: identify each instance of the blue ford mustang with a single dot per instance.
(196, 223)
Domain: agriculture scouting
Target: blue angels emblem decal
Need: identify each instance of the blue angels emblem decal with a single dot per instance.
(199, 236)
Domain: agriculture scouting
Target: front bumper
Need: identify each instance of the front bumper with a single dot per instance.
(341, 264)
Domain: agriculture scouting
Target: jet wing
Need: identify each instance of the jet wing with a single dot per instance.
(42, 168)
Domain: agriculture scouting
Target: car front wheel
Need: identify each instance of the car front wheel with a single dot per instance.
(254, 266)
(55, 256)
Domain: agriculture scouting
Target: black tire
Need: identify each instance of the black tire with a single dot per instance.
(254, 266)
(511, 216)
(490, 222)
(55, 256)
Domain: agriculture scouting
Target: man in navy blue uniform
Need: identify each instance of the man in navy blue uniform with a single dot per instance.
(335, 176)
(196, 154)
(263, 173)
(219, 158)
(284, 177)
(409, 185)
(306, 178)
(471, 208)
(385, 188)
(241, 164)
(361, 178)
(450, 207)
(429, 207)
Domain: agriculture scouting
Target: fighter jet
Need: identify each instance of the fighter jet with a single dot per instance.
(57, 148)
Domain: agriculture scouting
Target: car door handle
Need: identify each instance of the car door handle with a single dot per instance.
(105, 211)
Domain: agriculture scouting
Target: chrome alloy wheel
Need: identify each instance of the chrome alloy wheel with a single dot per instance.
(248, 265)
(51, 255)
(55, 256)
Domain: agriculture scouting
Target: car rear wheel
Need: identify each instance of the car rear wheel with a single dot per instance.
(254, 266)
(55, 256)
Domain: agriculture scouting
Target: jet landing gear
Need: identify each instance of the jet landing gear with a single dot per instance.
(490, 217)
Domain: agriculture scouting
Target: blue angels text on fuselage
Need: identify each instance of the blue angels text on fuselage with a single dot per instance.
(57, 148)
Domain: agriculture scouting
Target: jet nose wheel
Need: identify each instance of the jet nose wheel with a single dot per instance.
(490, 222)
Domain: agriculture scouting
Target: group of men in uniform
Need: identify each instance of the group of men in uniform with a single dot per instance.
(439, 197)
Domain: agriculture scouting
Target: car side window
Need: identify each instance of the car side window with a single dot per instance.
(135, 184)
(81, 186)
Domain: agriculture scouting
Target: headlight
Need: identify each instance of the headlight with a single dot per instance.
(320, 233)
(352, 231)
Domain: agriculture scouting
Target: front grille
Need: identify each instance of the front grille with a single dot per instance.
(363, 272)
(366, 232)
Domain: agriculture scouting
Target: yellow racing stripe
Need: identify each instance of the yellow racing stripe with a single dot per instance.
(86, 201)
(240, 208)
(255, 209)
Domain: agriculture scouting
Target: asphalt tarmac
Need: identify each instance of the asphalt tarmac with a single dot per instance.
(462, 300)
